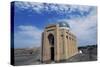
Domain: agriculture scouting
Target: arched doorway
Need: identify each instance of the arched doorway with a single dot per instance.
(51, 39)
(51, 42)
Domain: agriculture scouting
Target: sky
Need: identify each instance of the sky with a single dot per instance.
(30, 18)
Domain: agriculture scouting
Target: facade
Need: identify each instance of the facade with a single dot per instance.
(58, 43)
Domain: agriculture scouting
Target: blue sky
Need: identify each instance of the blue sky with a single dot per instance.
(30, 18)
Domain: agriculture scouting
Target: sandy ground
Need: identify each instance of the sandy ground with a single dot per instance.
(32, 57)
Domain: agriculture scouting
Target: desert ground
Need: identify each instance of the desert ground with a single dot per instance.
(27, 56)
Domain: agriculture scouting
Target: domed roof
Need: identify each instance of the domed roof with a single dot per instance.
(63, 24)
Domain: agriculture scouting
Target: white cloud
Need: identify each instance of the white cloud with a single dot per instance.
(81, 7)
(59, 8)
(27, 36)
(85, 28)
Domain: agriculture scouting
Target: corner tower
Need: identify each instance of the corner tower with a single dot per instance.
(58, 43)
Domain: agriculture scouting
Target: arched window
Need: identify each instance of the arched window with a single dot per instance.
(51, 39)
(67, 37)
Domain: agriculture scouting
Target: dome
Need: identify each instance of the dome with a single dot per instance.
(64, 24)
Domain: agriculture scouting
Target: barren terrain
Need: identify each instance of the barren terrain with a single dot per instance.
(31, 56)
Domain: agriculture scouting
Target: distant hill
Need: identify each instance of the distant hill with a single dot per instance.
(89, 49)
(87, 46)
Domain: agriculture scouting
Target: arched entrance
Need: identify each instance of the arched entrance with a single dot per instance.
(51, 39)
(51, 42)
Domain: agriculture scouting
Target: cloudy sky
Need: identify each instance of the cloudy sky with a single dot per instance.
(30, 19)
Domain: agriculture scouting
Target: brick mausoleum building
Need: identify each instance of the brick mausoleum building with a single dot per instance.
(58, 43)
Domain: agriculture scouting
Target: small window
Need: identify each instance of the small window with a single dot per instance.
(67, 37)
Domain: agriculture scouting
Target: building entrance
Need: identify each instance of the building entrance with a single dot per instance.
(52, 53)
